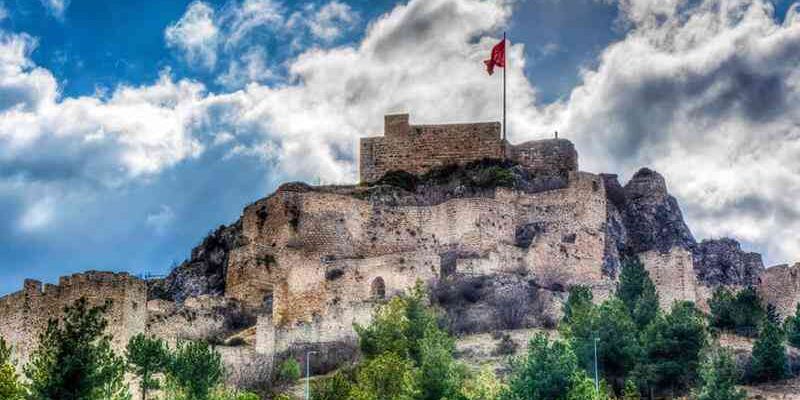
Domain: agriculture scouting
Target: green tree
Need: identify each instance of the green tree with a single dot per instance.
(792, 328)
(578, 325)
(440, 375)
(769, 361)
(618, 347)
(482, 386)
(74, 359)
(718, 376)
(672, 347)
(147, 356)
(386, 376)
(747, 312)
(546, 372)
(721, 305)
(10, 386)
(196, 369)
(334, 387)
(289, 371)
(631, 391)
(637, 291)
(583, 388)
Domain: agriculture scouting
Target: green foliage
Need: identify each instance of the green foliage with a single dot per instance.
(74, 359)
(401, 179)
(631, 391)
(289, 371)
(482, 386)
(147, 356)
(769, 361)
(792, 328)
(618, 347)
(334, 387)
(545, 373)
(721, 305)
(493, 176)
(579, 325)
(583, 388)
(195, 371)
(672, 347)
(741, 312)
(386, 376)
(637, 292)
(408, 327)
(718, 376)
(10, 386)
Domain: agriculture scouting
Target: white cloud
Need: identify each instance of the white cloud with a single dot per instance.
(196, 35)
(332, 20)
(56, 8)
(708, 93)
(3, 11)
(251, 67)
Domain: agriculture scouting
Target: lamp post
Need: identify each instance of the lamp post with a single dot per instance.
(596, 381)
(308, 371)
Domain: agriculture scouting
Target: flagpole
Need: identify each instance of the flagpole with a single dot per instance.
(505, 67)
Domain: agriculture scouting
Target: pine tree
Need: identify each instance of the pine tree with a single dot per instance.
(546, 373)
(196, 369)
(631, 392)
(637, 292)
(769, 361)
(146, 357)
(74, 359)
(578, 325)
(792, 328)
(672, 348)
(718, 376)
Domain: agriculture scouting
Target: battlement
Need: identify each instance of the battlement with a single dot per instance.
(418, 148)
(24, 314)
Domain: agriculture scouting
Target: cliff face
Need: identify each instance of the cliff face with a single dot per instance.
(723, 262)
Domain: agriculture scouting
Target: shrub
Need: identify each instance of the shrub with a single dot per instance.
(493, 176)
(792, 328)
(10, 386)
(401, 179)
(482, 386)
(547, 372)
(505, 346)
(236, 341)
(387, 376)
(718, 376)
(769, 361)
(334, 387)
(289, 371)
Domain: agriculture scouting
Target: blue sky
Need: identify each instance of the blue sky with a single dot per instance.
(129, 131)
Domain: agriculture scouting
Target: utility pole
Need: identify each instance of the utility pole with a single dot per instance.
(308, 371)
(596, 380)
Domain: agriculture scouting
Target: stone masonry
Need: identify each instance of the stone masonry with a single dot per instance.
(418, 148)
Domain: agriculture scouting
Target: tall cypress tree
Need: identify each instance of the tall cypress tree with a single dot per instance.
(74, 359)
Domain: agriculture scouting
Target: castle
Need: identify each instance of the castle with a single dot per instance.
(304, 264)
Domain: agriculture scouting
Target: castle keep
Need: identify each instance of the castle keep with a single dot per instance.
(487, 225)
(418, 148)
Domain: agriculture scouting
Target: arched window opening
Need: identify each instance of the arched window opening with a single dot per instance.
(378, 289)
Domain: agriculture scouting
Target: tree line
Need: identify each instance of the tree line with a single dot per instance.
(625, 347)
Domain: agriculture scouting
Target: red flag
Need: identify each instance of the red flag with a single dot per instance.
(498, 58)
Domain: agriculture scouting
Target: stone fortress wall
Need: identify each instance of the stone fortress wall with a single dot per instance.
(312, 261)
(418, 148)
(24, 314)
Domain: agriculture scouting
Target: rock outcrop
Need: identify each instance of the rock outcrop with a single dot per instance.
(204, 272)
(652, 217)
(723, 262)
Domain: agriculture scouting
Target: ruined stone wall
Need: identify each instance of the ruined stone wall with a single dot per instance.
(673, 275)
(780, 286)
(24, 315)
(417, 148)
(548, 156)
(317, 255)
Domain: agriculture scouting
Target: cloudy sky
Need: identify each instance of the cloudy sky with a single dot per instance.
(128, 132)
